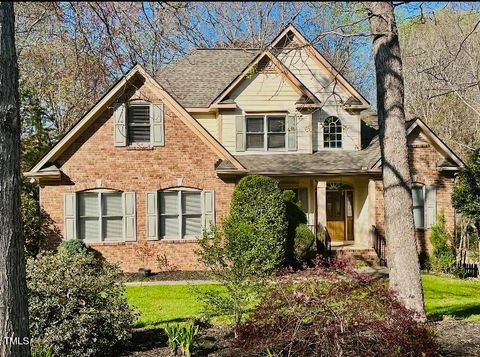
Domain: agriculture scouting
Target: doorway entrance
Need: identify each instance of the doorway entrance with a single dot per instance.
(340, 212)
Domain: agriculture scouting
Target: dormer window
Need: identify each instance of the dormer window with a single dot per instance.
(138, 124)
(332, 133)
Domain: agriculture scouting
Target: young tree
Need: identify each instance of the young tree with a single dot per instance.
(403, 262)
(13, 297)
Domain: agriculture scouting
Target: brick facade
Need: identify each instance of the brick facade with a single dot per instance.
(93, 157)
(423, 159)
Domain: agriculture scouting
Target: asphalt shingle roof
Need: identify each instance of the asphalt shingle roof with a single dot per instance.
(198, 78)
(321, 162)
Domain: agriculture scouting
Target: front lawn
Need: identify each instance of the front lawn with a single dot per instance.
(162, 304)
(456, 298)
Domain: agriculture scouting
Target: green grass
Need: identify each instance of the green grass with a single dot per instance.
(163, 304)
(451, 298)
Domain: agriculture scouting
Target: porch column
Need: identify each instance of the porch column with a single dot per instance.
(371, 207)
(322, 204)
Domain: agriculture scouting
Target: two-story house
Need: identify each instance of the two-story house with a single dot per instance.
(157, 157)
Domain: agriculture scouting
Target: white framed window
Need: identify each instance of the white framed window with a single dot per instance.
(418, 200)
(100, 215)
(332, 133)
(181, 213)
(424, 200)
(266, 132)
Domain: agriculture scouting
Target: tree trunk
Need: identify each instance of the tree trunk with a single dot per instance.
(405, 277)
(13, 298)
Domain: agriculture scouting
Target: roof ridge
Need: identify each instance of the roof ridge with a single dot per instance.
(229, 48)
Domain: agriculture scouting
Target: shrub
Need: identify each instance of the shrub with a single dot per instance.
(333, 314)
(443, 257)
(304, 243)
(226, 256)
(73, 246)
(76, 305)
(257, 202)
(295, 217)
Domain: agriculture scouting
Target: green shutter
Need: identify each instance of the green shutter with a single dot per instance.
(157, 133)
(152, 215)
(430, 205)
(208, 208)
(129, 229)
(239, 133)
(292, 132)
(120, 129)
(70, 216)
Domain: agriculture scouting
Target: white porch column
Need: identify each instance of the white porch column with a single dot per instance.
(322, 204)
(371, 206)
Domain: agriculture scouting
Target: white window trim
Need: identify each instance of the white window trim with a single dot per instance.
(265, 132)
(101, 238)
(180, 213)
(323, 133)
(419, 184)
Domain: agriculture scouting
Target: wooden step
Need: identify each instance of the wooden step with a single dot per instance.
(360, 257)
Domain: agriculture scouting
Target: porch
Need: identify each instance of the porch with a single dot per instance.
(341, 212)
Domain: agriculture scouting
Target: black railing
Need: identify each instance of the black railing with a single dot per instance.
(380, 245)
(470, 270)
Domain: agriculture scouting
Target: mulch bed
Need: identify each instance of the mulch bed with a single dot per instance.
(213, 342)
(459, 338)
(164, 276)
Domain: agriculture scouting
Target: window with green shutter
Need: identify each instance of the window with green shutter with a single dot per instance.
(104, 216)
(269, 132)
(182, 213)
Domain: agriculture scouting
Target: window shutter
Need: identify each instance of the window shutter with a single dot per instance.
(129, 228)
(239, 133)
(431, 205)
(157, 134)
(70, 216)
(208, 208)
(152, 215)
(120, 129)
(292, 132)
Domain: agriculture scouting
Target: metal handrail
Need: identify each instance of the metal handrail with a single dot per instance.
(379, 244)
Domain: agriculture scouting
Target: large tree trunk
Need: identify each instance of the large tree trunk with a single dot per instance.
(13, 298)
(405, 278)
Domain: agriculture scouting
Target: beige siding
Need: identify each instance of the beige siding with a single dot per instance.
(320, 83)
(208, 121)
(350, 127)
(265, 92)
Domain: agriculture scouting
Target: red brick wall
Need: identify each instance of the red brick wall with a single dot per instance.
(423, 159)
(93, 157)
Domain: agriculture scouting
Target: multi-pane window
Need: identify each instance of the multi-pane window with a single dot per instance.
(332, 133)
(266, 132)
(138, 122)
(418, 198)
(100, 216)
(181, 214)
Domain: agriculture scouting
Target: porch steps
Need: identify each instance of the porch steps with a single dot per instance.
(360, 256)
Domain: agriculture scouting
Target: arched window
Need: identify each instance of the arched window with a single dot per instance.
(332, 133)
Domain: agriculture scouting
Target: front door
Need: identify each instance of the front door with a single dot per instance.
(336, 215)
(340, 214)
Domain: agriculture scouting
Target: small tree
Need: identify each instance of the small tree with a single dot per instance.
(443, 257)
(245, 250)
(466, 193)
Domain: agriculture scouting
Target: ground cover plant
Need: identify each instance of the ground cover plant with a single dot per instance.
(335, 312)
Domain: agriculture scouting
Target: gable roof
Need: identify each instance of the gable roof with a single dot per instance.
(108, 98)
(281, 69)
(196, 79)
(291, 30)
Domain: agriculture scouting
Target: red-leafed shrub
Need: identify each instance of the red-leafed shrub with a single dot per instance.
(334, 314)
